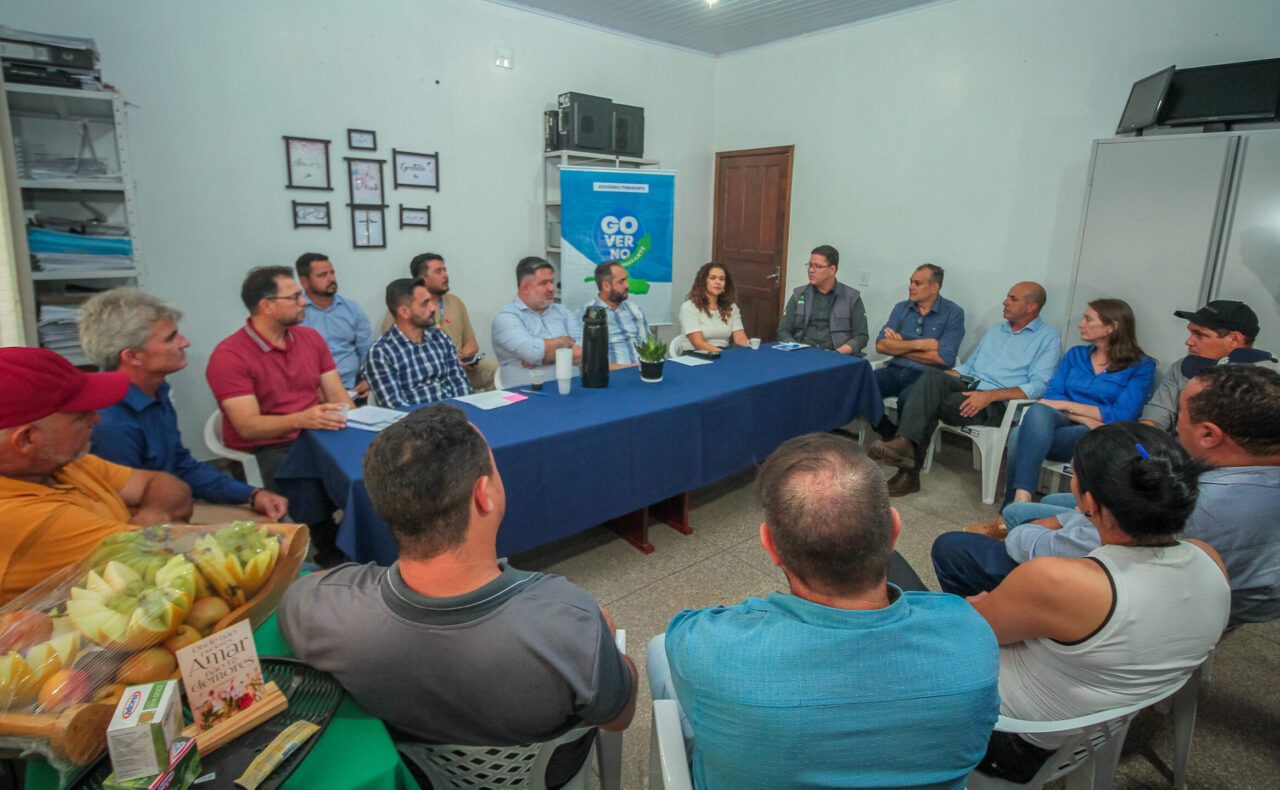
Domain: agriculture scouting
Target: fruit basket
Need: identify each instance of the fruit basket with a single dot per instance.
(70, 645)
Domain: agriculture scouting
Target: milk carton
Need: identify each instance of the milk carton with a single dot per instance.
(147, 719)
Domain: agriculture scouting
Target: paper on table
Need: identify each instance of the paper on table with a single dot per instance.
(491, 400)
(690, 361)
(789, 346)
(373, 418)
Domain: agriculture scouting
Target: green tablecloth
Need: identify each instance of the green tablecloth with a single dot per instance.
(353, 754)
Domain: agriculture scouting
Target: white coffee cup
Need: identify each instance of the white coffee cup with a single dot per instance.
(755, 342)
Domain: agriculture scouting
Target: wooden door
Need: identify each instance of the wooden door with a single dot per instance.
(753, 204)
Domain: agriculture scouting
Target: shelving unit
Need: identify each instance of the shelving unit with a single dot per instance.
(72, 162)
(552, 161)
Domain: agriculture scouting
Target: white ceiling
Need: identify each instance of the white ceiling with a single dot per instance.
(727, 26)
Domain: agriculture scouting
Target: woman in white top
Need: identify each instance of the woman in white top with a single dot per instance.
(1127, 623)
(709, 319)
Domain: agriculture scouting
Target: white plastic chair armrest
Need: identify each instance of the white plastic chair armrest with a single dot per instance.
(668, 763)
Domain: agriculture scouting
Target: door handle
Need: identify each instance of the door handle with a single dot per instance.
(777, 271)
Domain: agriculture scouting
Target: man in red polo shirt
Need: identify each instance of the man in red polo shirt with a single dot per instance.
(268, 376)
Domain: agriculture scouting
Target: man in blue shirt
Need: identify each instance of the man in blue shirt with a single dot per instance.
(1015, 360)
(133, 332)
(847, 681)
(922, 333)
(342, 323)
(414, 362)
(1227, 417)
(627, 324)
(528, 331)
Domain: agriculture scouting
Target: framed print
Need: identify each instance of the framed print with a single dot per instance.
(365, 178)
(362, 139)
(311, 215)
(416, 170)
(307, 160)
(367, 227)
(415, 217)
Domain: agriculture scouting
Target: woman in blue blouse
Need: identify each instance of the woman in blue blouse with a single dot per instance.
(1107, 379)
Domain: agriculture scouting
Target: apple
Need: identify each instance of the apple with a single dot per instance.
(185, 637)
(147, 666)
(21, 629)
(206, 612)
(63, 688)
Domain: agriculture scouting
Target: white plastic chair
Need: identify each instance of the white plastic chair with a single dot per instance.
(213, 440)
(477, 767)
(497, 379)
(668, 760)
(1185, 702)
(988, 446)
(676, 347)
(1055, 476)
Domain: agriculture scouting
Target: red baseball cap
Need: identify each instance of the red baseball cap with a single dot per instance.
(39, 382)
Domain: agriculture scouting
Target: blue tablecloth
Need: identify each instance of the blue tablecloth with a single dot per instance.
(569, 463)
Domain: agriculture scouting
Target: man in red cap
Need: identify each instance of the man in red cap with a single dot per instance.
(56, 500)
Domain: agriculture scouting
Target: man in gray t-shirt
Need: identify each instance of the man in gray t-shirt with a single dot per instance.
(449, 644)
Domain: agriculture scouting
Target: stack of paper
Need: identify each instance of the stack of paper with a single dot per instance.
(58, 332)
(373, 418)
(72, 262)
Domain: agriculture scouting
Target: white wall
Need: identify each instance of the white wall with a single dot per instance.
(214, 86)
(960, 134)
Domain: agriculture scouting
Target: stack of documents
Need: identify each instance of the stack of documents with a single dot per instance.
(58, 332)
(52, 251)
(373, 418)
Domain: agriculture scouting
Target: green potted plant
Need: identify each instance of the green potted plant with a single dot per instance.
(652, 353)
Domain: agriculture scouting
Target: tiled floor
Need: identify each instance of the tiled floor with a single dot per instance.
(1237, 743)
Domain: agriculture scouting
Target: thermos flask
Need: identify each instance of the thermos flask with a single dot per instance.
(595, 348)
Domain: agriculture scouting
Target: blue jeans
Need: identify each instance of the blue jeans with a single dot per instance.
(1043, 433)
(967, 563)
(1016, 513)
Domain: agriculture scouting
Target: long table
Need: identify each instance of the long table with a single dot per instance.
(569, 463)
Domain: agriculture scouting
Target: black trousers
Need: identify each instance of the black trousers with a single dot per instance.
(938, 396)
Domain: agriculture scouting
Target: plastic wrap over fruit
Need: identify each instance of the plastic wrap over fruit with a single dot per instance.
(70, 645)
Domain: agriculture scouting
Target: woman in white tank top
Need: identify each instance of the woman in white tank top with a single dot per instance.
(1128, 622)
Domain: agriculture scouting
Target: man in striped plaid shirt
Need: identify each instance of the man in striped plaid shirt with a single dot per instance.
(414, 362)
(627, 324)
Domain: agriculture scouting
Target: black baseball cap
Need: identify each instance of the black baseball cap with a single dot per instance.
(1223, 314)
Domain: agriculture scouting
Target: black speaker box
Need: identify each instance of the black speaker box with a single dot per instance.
(628, 130)
(585, 122)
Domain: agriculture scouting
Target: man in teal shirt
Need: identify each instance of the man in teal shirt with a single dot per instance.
(847, 681)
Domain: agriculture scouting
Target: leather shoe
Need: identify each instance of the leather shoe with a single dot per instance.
(992, 529)
(898, 451)
(906, 481)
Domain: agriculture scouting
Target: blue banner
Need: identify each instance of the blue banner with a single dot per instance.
(622, 215)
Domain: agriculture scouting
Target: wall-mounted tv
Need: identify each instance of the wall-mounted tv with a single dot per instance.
(1145, 100)
(1248, 91)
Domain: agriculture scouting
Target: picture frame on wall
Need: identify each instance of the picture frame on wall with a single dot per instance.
(411, 217)
(362, 139)
(307, 163)
(311, 215)
(364, 177)
(368, 227)
(410, 169)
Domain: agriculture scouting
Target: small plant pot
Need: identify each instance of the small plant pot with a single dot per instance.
(651, 371)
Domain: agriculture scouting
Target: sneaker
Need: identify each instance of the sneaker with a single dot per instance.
(899, 452)
(906, 481)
